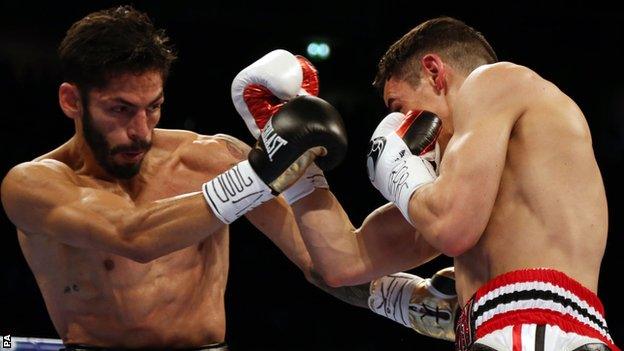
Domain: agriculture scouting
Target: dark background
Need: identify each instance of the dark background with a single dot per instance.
(576, 45)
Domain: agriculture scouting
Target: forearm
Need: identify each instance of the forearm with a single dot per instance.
(384, 244)
(445, 221)
(426, 215)
(275, 219)
(168, 225)
(328, 235)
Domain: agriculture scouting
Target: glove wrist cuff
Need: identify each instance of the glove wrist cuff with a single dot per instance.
(312, 179)
(235, 192)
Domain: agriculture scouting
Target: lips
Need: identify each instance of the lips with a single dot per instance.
(132, 156)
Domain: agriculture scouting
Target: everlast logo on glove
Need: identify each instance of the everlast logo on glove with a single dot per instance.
(376, 148)
(272, 141)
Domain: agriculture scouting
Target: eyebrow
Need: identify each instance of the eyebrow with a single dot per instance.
(126, 102)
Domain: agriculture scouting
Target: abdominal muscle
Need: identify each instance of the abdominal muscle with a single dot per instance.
(99, 299)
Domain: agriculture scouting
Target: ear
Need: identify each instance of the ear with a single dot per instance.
(69, 99)
(435, 71)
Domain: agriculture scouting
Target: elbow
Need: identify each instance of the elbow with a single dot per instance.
(333, 278)
(457, 236)
(142, 252)
(142, 256)
(138, 253)
(337, 280)
(135, 247)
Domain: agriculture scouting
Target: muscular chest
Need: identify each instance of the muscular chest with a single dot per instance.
(167, 181)
(172, 180)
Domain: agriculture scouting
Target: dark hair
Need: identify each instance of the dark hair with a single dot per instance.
(110, 42)
(453, 40)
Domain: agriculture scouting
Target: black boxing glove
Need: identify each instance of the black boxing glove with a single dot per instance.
(305, 128)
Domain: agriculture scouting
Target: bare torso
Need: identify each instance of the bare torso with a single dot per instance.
(551, 208)
(177, 300)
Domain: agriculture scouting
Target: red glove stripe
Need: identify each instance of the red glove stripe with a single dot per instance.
(310, 81)
(261, 103)
(407, 123)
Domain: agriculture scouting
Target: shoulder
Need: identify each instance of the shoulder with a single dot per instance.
(500, 80)
(498, 91)
(40, 170)
(28, 177)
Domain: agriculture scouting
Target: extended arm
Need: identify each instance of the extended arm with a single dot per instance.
(343, 255)
(44, 198)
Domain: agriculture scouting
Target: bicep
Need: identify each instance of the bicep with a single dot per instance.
(40, 201)
(392, 243)
(474, 161)
(475, 157)
(92, 221)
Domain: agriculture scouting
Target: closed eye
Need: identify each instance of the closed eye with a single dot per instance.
(395, 108)
(154, 108)
(393, 105)
(120, 109)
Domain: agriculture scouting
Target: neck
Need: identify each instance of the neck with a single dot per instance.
(454, 83)
(86, 164)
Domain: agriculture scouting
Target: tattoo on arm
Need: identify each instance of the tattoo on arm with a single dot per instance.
(68, 289)
(354, 295)
(236, 148)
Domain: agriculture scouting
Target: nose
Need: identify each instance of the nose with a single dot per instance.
(138, 128)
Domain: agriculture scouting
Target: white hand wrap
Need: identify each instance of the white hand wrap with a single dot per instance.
(235, 192)
(313, 178)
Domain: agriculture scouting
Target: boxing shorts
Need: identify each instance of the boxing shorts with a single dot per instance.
(533, 309)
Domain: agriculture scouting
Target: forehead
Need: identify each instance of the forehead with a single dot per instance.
(396, 88)
(141, 85)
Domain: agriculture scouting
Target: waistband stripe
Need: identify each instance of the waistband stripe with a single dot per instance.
(540, 290)
(532, 300)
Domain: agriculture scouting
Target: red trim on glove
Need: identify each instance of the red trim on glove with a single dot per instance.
(410, 117)
(310, 81)
(261, 103)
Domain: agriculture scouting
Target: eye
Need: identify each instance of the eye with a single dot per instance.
(120, 109)
(154, 108)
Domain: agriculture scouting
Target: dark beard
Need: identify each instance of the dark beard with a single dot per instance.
(103, 152)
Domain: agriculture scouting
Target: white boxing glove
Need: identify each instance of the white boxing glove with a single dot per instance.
(429, 306)
(402, 155)
(260, 90)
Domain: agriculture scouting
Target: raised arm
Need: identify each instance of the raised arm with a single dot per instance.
(452, 212)
(44, 198)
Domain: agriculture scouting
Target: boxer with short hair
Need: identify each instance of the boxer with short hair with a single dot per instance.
(517, 198)
(429, 306)
(125, 226)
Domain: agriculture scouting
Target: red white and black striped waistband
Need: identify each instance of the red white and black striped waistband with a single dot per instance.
(538, 296)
